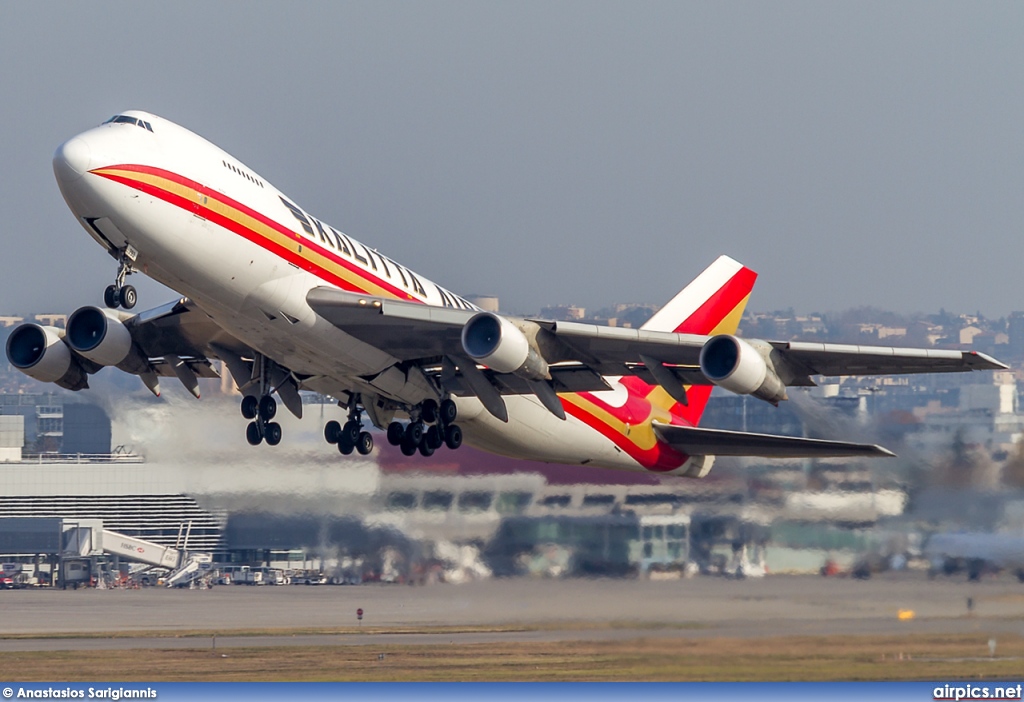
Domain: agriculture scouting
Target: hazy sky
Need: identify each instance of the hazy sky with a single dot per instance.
(561, 152)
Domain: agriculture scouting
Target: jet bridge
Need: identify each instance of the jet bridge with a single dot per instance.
(184, 566)
(133, 549)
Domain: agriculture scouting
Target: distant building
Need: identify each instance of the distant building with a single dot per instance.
(52, 320)
(1015, 329)
(488, 303)
(563, 313)
(51, 425)
(10, 321)
(968, 333)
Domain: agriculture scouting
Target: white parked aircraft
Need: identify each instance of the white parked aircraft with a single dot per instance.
(288, 302)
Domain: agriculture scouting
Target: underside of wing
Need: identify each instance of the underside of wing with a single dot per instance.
(179, 328)
(809, 358)
(697, 441)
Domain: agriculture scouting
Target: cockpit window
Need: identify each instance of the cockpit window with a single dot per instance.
(125, 119)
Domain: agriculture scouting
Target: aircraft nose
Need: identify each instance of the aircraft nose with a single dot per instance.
(72, 159)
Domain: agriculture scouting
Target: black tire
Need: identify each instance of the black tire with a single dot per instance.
(428, 411)
(434, 438)
(453, 436)
(268, 408)
(110, 297)
(426, 450)
(408, 448)
(448, 411)
(250, 406)
(365, 443)
(414, 433)
(396, 432)
(351, 431)
(129, 297)
(332, 430)
(253, 434)
(273, 434)
(345, 447)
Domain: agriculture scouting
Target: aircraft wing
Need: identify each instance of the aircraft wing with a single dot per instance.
(698, 441)
(173, 340)
(842, 359)
(414, 332)
(179, 328)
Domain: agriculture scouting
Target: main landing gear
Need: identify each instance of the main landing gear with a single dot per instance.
(433, 428)
(261, 411)
(119, 294)
(351, 436)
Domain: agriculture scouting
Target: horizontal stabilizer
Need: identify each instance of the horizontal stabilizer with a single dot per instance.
(698, 441)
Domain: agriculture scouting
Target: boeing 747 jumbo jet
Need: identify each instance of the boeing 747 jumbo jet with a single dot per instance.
(288, 302)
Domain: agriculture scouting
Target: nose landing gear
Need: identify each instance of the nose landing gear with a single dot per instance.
(119, 294)
(416, 436)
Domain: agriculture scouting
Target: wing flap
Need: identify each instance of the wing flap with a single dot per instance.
(699, 441)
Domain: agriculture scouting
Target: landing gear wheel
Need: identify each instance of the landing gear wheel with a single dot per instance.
(250, 406)
(111, 298)
(365, 443)
(414, 433)
(448, 411)
(332, 430)
(253, 434)
(408, 448)
(273, 434)
(351, 431)
(453, 436)
(128, 297)
(426, 450)
(428, 411)
(268, 408)
(344, 445)
(396, 432)
(433, 438)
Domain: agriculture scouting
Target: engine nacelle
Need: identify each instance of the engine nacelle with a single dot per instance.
(732, 363)
(99, 335)
(501, 345)
(696, 467)
(39, 352)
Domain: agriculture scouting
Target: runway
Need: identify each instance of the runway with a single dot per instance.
(517, 610)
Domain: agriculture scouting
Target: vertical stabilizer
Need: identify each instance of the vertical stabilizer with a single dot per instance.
(712, 304)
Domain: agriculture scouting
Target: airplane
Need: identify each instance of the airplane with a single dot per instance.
(287, 303)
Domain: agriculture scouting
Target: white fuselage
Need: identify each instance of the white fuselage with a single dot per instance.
(258, 293)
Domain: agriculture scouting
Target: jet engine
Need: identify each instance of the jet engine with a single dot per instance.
(100, 336)
(734, 364)
(39, 352)
(503, 346)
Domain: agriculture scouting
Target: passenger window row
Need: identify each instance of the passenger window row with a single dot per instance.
(239, 171)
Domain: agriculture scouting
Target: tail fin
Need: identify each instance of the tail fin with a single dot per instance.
(712, 304)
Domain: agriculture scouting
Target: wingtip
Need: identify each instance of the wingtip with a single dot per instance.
(988, 362)
(883, 452)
